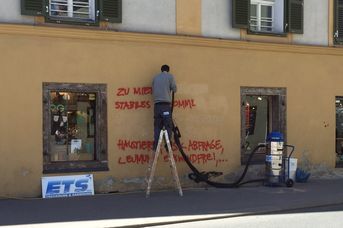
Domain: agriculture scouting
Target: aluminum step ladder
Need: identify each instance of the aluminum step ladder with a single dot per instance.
(152, 166)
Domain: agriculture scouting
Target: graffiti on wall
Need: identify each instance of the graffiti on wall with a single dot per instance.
(138, 152)
(145, 104)
(198, 151)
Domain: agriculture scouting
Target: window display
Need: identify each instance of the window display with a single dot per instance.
(72, 126)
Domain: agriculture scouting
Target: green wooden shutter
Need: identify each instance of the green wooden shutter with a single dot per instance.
(111, 10)
(285, 16)
(338, 32)
(296, 16)
(32, 7)
(240, 13)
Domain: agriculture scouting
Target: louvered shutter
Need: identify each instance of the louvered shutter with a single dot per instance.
(240, 13)
(32, 7)
(338, 33)
(111, 10)
(296, 16)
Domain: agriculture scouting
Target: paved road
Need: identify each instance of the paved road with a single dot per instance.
(328, 216)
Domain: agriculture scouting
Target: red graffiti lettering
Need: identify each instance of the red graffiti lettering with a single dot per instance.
(212, 151)
(123, 91)
(135, 145)
(128, 105)
(134, 159)
(142, 90)
(188, 103)
(205, 145)
(201, 158)
(194, 158)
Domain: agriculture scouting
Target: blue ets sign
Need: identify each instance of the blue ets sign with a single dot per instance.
(66, 186)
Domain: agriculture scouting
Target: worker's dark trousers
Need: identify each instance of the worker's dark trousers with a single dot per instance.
(162, 117)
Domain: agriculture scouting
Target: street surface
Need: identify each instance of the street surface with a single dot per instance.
(328, 217)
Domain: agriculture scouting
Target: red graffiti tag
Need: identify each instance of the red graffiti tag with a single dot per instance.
(136, 91)
(123, 92)
(134, 159)
(142, 90)
(135, 145)
(205, 145)
(128, 105)
(187, 103)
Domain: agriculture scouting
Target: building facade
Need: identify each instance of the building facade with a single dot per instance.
(76, 84)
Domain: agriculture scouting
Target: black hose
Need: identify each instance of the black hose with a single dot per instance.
(198, 176)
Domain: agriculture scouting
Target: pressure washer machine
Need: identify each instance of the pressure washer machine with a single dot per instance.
(278, 161)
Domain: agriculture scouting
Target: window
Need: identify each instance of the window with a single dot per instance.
(338, 22)
(268, 16)
(82, 10)
(87, 12)
(261, 16)
(73, 115)
(263, 110)
(339, 131)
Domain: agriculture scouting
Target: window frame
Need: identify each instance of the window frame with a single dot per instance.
(100, 163)
(277, 115)
(72, 20)
(338, 8)
(104, 10)
(293, 17)
(338, 164)
(259, 4)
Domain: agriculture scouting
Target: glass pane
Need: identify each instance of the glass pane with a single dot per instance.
(59, 8)
(73, 124)
(253, 10)
(256, 121)
(266, 11)
(78, 9)
(253, 17)
(266, 26)
(81, 9)
(339, 130)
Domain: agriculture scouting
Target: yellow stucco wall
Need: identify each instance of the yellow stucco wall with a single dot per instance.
(188, 17)
(209, 72)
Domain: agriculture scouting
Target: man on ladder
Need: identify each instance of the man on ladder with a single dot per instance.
(162, 86)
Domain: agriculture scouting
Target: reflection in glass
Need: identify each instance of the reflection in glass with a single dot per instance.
(72, 126)
(339, 130)
(256, 121)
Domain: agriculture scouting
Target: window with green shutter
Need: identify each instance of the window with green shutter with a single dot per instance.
(88, 12)
(338, 30)
(268, 16)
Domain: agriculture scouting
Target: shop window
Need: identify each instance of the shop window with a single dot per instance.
(87, 12)
(339, 131)
(73, 117)
(262, 111)
(338, 22)
(268, 16)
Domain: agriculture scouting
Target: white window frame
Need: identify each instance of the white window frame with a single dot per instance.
(259, 19)
(71, 14)
(277, 15)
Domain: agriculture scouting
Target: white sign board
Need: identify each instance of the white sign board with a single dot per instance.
(67, 186)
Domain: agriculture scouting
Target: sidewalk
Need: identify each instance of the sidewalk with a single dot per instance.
(133, 209)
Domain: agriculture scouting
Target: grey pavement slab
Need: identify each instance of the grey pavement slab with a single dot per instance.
(114, 210)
